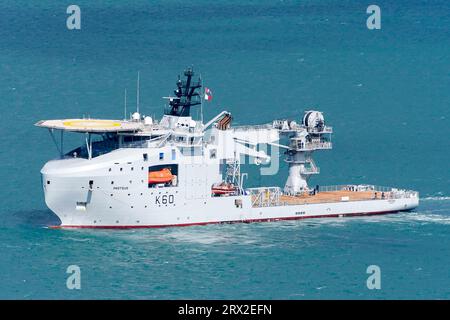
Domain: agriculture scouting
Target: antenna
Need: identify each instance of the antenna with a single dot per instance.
(137, 92)
(125, 106)
(201, 99)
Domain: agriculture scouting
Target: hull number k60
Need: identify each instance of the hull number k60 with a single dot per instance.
(165, 199)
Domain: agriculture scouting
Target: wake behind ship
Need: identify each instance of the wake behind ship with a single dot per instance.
(177, 171)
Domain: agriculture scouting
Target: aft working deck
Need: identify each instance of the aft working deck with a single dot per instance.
(272, 196)
(334, 196)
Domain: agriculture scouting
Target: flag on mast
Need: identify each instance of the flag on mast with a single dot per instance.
(208, 94)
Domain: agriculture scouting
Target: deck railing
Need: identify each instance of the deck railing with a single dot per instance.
(355, 187)
(390, 193)
(272, 196)
(252, 127)
(135, 144)
(297, 145)
(265, 196)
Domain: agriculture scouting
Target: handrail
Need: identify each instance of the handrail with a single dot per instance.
(393, 193)
(253, 127)
(310, 145)
(271, 196)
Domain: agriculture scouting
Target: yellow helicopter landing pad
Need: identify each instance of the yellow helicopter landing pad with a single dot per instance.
(90, 125)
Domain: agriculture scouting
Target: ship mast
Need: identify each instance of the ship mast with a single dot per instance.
(186, 95)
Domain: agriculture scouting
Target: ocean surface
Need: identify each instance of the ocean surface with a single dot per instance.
(385, 92)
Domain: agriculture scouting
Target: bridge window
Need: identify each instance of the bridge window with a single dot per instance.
(161, 156)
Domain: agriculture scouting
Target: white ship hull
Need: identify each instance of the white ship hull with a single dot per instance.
(178, 171)
(222, 211)
(126, 204)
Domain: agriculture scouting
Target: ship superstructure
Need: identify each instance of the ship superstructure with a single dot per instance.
(180, 171)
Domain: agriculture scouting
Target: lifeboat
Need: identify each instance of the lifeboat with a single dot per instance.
(161, 176)
(223, 189)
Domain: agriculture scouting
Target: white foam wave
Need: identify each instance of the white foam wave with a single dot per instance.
(211, 235)
(437, 198)
(429, 218)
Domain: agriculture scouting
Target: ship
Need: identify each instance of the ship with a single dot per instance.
(140, 172)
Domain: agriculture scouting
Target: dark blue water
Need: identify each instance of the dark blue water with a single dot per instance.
(385, 92)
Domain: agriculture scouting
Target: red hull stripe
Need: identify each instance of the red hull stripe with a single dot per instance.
(223, 222)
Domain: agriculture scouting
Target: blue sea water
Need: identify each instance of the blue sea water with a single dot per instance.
(385, 92)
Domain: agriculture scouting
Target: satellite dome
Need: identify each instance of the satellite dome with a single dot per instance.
(136, 116)
(148, 121)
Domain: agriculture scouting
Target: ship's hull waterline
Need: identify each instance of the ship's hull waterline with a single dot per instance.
(340, 215)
